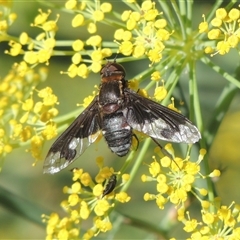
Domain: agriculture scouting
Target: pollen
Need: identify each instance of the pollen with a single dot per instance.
(72, 71)
(126, 48)
(84, 210)
(78, 20)
(203, 27)
(76, 187)
(160, 93)
(82, 70)
(28, 104)
(221, 13)
(77, 45)
(71, 4)
(92, 28)
(122, 197)
(98, 15)
(73, 199)
(160, 23)
(101, 207)
(234, 14)
(94, 41)
(156, 76)
(190, 225)
(24, 38)
(49, 132)
(125, 15)
(224, 29)
(216, 22)
(98, 190)
(139, 51)
(41, 17)
(86, 179)
(76, 58)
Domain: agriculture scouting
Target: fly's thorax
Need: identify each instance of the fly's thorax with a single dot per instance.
(111, 96)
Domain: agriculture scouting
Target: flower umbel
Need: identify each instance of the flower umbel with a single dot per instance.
(25, 119)
(224, 30)
(218, 222)
(144, 33)
(174, 178)
(84, 34)
(87, 199)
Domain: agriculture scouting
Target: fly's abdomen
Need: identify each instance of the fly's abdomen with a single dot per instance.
(118, 133)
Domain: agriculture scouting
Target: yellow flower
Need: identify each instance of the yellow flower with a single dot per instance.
(203, 27)
(160, 93)
(214, 34)
(223, 47)
(49, 132)
(103, 225)
(154, 56)
(77, 45)
(221, 13)
(98, 15)
(106, 7)
(234, 14)
(70, 4)
(82, 70)
(216, 22)
(208, 218)
(175, 183)
(190, 225)
(73, 199)
(218, 221)
(147, 33)
(126, 48)
(101, 207)
(94, 41)
(155, 76)
(84, 210)
(225, 31)
(78, 20)
(122, 197)
(92, 28)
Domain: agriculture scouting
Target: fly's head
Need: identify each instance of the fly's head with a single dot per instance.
(112, 71)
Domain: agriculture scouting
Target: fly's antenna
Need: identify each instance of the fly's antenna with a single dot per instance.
(114, 60)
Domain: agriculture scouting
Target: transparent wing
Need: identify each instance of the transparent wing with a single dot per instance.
(157, 121)
(74, 140)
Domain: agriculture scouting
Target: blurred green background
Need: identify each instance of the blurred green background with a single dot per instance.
(25, 186)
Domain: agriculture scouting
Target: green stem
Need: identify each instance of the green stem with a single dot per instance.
(189, 16)
(220, 111)
(137, 163)
(195, 108)
(180, 15)
(219, 70)
(167, 13)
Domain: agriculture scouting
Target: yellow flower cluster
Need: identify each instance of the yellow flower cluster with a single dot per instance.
(144, 32)
(218, 222)
(23, 118)
(87, 13)
(6, 20)
(225, 29)
(40, 49)
(174, 178)
(87, 198)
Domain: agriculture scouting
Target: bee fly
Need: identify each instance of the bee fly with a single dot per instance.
(116, 111)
